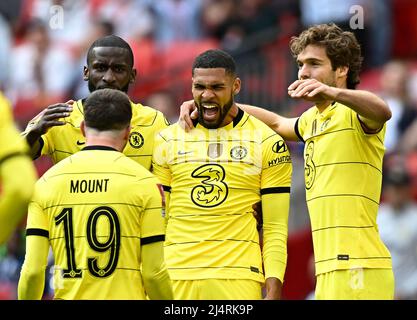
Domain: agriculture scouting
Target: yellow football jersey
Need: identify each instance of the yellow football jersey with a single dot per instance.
(97, 207)
(214, 177)
(343, 176)
(62, 141)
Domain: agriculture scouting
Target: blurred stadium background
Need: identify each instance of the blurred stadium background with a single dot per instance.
(43, 49)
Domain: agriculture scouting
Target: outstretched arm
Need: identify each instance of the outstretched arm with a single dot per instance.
(373, 111)
(283, 126)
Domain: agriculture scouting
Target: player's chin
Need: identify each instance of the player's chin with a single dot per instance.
(210, 124)
(107, 87)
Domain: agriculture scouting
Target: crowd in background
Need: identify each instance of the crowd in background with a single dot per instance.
(43, 51)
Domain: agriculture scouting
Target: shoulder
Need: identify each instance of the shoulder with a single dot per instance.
(146, 116)
(256, 125)
(58, 169)
(172, 131)
(129, 166)
(76, 116)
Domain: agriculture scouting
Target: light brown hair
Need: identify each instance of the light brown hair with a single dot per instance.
(342, 48)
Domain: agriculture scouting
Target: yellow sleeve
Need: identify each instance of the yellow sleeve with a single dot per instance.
(156, 279)
(155, 274)
(275, 208)
(17, 174)
(161, 122)
(160, 160)
(301, 125)
(32, 277)
(152, 220)
(160, 166)
(275, 195)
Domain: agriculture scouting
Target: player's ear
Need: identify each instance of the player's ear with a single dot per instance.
(236, 86)
(127, 132)
(342, 71)
(82, 127)
(86, 73)
(133, 75)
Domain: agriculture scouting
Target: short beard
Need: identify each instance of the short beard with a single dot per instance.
(92, 88)
(223, 113)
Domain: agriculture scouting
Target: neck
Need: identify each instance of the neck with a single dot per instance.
(322, 105)
(230, 115)
(105, 141)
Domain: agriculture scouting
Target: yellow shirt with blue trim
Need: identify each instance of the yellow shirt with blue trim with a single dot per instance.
(343, 176)
(213, 177)
(97, 207)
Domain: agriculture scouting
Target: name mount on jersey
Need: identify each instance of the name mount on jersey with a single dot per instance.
(93, 185)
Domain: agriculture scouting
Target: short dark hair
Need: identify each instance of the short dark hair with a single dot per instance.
(215, 58)
(107, 109)
(342, 48)
(110, 41)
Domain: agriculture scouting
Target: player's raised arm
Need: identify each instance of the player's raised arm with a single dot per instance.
(46, 119)
(281, 125)
(188, 113)
(372, 110)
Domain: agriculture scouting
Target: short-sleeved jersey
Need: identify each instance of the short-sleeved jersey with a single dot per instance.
(62, 141)
(214, 177)
(97, 207)
(343, 176)
(11, 142)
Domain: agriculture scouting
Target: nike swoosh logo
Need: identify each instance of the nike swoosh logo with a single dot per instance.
(181, 153)
(80, 143)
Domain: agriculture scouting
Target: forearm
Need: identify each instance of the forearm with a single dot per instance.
(275, 209)
(158, 285)
(32, 277)
(273, 289)
(281, 125)
(366, 104)
(269, 118)
(18, 178)
(33, 142)
(154, 272)
(30, 285)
